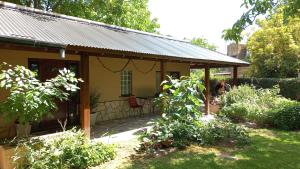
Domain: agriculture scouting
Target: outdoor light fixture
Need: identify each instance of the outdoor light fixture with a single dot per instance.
(62, 53)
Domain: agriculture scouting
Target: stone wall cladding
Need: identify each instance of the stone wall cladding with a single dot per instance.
(118, 109)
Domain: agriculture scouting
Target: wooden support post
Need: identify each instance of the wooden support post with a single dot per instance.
(85, 95)
(235, 75)
(206, 81)
(162, 73)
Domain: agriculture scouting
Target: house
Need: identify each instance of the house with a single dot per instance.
(114, 61)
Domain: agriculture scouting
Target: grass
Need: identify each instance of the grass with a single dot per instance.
(269, 149)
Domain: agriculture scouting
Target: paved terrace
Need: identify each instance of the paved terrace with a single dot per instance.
(121, 130)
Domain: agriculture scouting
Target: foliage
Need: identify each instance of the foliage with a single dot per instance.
(281, 56)
(245, 103)
(287, 117)
(131, 14)
(199, 74)
(31, 100)
(94, 100)
(222, 130)
(256, 8)
(70, 150)
(202, 42)
(289, 87)
(181, 122)
(181, 97)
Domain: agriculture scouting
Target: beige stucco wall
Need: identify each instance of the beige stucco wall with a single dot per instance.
(143, 85)
(105, 82)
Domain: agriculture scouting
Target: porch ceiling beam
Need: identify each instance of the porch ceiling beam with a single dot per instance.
(77, 50)
(202, 66)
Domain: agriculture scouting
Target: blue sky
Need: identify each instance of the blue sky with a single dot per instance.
(196, 18)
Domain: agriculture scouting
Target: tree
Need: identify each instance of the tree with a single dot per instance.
(202, 42)
(126, 13)
(275, 48)
(256, 8)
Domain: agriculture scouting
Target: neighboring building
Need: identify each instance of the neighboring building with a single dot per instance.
(238, 51)
(117, 62)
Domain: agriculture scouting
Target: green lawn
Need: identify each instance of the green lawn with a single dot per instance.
(269, 149)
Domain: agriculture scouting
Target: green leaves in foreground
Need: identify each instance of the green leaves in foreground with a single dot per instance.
(67, 150)
(29, 99)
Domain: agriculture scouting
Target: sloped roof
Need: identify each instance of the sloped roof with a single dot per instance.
(23, 23)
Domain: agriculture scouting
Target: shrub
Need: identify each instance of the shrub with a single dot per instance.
(289, 87)
(71, 150)
(245, 103)
(287, 117)
(176, 134)
(222, 130)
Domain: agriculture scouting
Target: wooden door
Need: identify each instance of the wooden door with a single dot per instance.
(67, 110)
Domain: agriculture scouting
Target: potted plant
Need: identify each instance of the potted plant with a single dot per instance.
(30, 100)
(94, 102)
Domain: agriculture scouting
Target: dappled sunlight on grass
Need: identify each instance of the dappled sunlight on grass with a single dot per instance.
(268, 149)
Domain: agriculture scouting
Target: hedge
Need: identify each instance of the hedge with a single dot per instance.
(289, 88)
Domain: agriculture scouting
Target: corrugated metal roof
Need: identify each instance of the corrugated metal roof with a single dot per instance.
(31, 24)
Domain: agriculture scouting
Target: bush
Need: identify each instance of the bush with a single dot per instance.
(222, 130)
(289, 87)
(287, 118)
(245, 103)
(181, 122)
(176, 134)
(71, 150)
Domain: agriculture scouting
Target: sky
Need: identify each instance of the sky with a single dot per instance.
(196, 18)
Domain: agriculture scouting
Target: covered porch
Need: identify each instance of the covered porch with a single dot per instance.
(96, 45)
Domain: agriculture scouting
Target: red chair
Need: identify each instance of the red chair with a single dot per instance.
(133, 104)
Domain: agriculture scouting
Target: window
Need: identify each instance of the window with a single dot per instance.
(174, 75)
(34, 66)
(126, 83)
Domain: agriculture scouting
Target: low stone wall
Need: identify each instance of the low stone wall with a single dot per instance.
(117, 109)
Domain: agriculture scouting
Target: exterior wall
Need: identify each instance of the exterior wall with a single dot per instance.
(108, 84)
(238, 51)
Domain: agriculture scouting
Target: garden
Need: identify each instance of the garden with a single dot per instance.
(254, 128)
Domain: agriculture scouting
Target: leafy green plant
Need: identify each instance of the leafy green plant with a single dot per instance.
(70, 150)
(180, 97)
(181, 122)
(31, 100)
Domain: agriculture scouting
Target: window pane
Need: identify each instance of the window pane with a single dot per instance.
(126, 83)
(34, 66)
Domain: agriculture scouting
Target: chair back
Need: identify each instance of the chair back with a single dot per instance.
(132, 101)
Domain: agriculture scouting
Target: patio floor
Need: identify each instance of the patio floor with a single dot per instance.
(121, 130)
